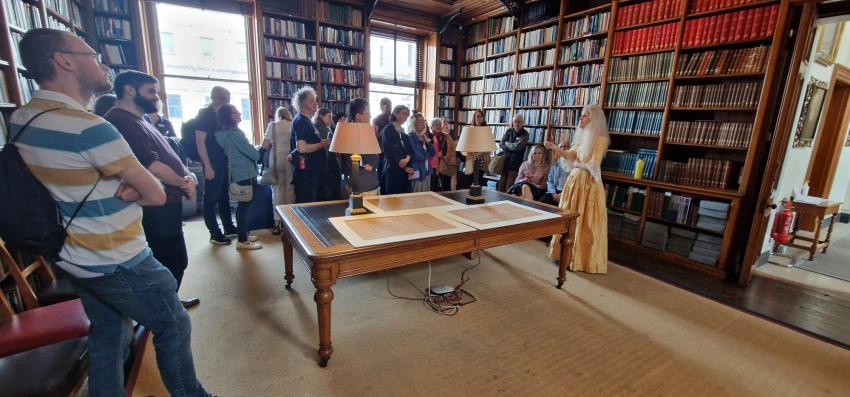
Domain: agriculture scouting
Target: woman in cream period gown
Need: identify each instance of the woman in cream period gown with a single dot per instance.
(584, 193)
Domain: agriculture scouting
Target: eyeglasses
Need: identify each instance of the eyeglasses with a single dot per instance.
(96, 55)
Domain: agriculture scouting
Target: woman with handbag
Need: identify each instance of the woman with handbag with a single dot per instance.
(242, 169)
(278, 171)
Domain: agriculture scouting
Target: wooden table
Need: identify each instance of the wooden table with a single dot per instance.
(328, 256)
(812, 215)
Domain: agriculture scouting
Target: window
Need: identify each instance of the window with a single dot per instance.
(243, 51)
(166, 39)
(246, 109)
(207, 48)
(394, 70)
(175, 107)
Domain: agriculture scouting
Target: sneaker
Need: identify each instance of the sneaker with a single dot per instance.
(248, 245)
(231, 235)
(252, 238)
(219, 240)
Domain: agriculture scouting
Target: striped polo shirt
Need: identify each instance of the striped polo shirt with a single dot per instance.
(66, 149)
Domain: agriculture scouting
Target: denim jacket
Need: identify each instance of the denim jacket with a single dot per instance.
(421, 153)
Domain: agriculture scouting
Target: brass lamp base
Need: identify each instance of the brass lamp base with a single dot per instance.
(475, 196)
(355, 205)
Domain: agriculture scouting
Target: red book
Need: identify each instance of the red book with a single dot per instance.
(771, 23)
(738, 22)
(696, 6)
(765, 23)
(709, 32)
(748, 24)
(699, 39)
(671, 35)
(623, 17)
(653, 10)
(686, 38)
(725, 28)
(755, 29)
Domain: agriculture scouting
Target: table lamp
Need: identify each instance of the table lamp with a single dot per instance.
(355, 139)
(476, 140)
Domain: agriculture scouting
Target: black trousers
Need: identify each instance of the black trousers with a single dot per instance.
(164, 232)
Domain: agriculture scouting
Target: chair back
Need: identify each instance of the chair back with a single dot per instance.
(27, 286)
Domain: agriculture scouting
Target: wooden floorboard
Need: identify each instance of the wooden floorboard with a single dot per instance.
(807, 310)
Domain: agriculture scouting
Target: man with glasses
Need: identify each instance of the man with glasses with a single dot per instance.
(73, 152)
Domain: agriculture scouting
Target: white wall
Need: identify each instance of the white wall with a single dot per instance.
(793, 172)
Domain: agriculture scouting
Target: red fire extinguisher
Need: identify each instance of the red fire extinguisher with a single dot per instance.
(784, 223)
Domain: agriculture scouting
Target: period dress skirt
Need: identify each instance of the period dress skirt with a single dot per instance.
(583, 194)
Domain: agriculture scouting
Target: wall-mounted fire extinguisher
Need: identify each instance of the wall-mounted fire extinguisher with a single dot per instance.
(784, 223)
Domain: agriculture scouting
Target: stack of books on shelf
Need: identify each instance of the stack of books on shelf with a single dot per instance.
(655, 236)
(637, 122)
(447, 70)
(563, 135)
(629, 227)
(22, 16)
(342, 56)
(497, 116)
(448, 114)
(501, 46)
(498, 130)
(577, 96)
(504, 83)
(283, 88)
(566, 117)
(283, 49)
(301, 8)
(341, 76)
(681, 241)
(113, 28)
(347, 37)
(77, 17)
(749, 24)
(706, 249)
(472, 87)
(651, 66)
(115, 54)
(540, 80)
(625, 197)
(448, 87)
(473, 70)
(615, 221)
(584, 50)
(341, 14)
(718, 174)
(116, 6)
(710, 5)
(644, 95)
(286, 28)
(652, 38)
(673, 207)
(587, 25)
(54, 23)
(472, 101)
(538, 37)
(708, 63)
(447, 54)
(531, 98)
(500, 65)
(536, 58)
(535, 135)
(475, 33)
(623, 162)
(739, 94)
(500, 100)
(589, 73)
(534, 117)
(713, 215)
(710, 132)
(447, 101)
(61, 7)
(290, 71)
(650, 11)
(539, 12)
(500, 25)
(475, 52)
(341, 94)
(16, 48)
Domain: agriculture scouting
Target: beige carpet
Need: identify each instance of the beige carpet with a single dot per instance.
(617, 334)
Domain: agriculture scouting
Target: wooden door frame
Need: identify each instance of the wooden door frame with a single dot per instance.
(781, 136)
(831, 131)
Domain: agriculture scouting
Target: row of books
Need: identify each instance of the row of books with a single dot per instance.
(624, 226)
(718, 95)
(734, 26)
(625, 196)
(447, 53)
(587, 25)
(113, 28)
(740, 60)
(658, 37)
(500, 65)
(535, 135)
(447, 70)
(706, 249)
(577, 96)
(275, 103)
(55, 23)
(332, 35)
(283, 88)
(501, 46)
(504, 83)
(288, 28)
(536, 13)
(623, 162)
(336, 108)
(447, 86)
(532, 98)
(638, 122)
(500, 25)
(288, 49)
(710, 132)
(447, 101)
(710, 5)
(655, 235)
(475, 52)
(77, 17)
(448, 114)
(290, 71)
(473, 70)
(588, 73)
(21, 15)
(536, 58)
(115, 54)
(699, 172)
(541, 79)
(673, 207)
(497, 116)
(538, 36)
(116, 6)
(342, 56)
(650, 66)
(534, 117)
(341, 14)
(500, 100)
(647, 12)
(498, 130)
(713, 215)
(16, 48)
(566, 117)
(475, 32)
(638, 94)
(342, 76)
(334, 93)
(472, 101)
(472, 87)
(590, 49)
(563, 135)
(61, 7)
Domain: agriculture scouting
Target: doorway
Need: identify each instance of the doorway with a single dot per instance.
(832, 135)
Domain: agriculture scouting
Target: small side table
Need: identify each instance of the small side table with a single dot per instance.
(818, 212)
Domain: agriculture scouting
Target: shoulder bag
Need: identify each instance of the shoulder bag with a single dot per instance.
(237, 192)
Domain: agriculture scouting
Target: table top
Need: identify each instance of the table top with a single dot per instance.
(319, 239)
(824, 204)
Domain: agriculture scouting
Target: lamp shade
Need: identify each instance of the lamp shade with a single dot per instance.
(355, 138)
(476, 140)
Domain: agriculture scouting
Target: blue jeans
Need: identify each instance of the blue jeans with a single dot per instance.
(216, 195)
(146, 293)
(243, 212)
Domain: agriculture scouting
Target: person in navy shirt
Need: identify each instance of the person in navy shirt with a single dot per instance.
(312, 149)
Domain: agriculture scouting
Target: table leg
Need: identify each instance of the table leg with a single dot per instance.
(566, 252)
(323, 279)
(287, 258)
(467, 255)
(814, 248)
(829, 232)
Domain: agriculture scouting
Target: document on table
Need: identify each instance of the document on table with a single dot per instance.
(497, 214)
(397, 226)
(407, 201)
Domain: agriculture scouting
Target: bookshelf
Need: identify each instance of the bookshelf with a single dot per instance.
(682, 83)
(116, 33)
(448, 70)
(321, 44)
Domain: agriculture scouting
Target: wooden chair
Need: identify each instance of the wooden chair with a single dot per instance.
(51, 290)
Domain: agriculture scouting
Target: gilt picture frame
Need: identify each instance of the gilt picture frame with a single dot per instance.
(810, 113)
(829, 39)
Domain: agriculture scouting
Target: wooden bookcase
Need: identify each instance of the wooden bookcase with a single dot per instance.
(117, 34)
(684, 107)
(322, 44)
(448, 57)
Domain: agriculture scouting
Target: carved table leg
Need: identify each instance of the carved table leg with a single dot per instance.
(814, 248)
(323, 279)
(287, 258)
(829, 232)
(467, 255)
(566, 252)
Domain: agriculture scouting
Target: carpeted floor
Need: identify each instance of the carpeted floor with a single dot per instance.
(602, 335)
(835, 263)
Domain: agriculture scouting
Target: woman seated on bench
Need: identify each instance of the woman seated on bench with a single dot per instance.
(531, 179)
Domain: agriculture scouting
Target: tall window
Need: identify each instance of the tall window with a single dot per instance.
(393, 71)
(219, 38)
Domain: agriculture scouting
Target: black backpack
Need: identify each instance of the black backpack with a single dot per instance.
(29, 217)
(187, 139)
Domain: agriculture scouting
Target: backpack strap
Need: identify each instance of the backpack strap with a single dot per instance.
(80, 206)
(24, 128)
